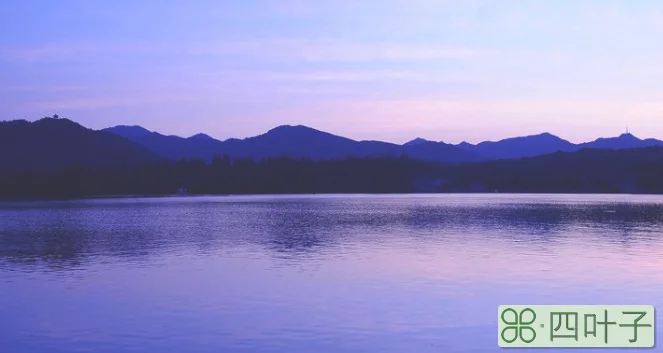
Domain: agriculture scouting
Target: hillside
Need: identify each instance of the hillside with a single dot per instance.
(53, 143)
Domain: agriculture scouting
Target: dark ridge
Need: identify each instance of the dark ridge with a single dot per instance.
(55, 143)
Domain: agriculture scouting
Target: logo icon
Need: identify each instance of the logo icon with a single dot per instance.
(519, 325)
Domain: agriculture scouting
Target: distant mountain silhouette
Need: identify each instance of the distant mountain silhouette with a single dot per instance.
(304, 142)
(202, 137)
(416, 141)
(290, 141)
(519, 147)
(623, 141)
(427, 150)
(54, 143)
(171, 147)
(439, 152)
(293, 141)
(128, 131)
(546, 143)
(465, 145)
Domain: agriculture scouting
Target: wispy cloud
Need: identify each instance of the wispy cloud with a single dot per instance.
(80, 51)
(386, 52)
(352, 76)
(335, 50)
(319, 50)
(88, 103)
(44, 88)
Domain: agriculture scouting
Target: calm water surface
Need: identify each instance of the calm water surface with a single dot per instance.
(313, 273)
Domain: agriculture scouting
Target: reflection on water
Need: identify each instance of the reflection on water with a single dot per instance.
(313, 273)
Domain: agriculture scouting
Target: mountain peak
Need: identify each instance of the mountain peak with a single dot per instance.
(543, 135)
(628, 135)
(546, 134)
(295, 131)
(128, 131)
(465, 144)
(625, 140)
(283, 128)
(58, 123)
(416, 141)
(201, 136)
(51, 120)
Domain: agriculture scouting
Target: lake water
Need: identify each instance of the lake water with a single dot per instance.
(344, 273)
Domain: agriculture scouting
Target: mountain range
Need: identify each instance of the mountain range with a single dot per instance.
(53, 142)
(291, 141)
(305, 142)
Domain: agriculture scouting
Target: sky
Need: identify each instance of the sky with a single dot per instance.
(386, 70)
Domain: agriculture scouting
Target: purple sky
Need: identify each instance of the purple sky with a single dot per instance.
(375, 69)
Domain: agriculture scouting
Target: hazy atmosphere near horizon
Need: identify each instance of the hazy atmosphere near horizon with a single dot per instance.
(386, 70)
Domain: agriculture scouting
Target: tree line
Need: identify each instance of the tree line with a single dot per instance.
(222, 176)
(586, 171)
